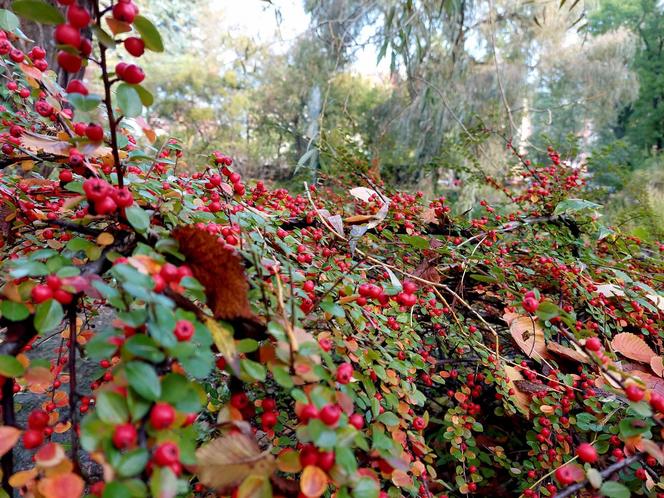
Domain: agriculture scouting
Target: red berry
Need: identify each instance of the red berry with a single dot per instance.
(239, 401)
(530, 304)
(564, 475)
(269, 404)
(419, 423)
(69, 62)
(96, 189)
(41, 293)
(79, 17)
(122, 197)
(62, 296)
(53, 282)
(356, 420)
(124, 436)
(269, 420)
(308, 455)
(133, 74)
(66, 34)
(184, 330)
(170, 273)
(32, 439)
(38, 419)
(593, 344)
(77, 86)
(94, 132)
(162, 415)
(587, 453)
(120, 69)
(634, 393)
(325, 460)
(65, 176)
(135, 46)
(657, 402)
(344, 373)
(330, 414)
(106, 206)
(308, 412)
(166, 454)
(125, 12)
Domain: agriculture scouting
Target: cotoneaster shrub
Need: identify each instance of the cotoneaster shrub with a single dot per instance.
(349, 340)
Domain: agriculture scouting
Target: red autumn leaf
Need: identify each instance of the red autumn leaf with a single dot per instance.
(8, 438)
(49, 455)
(633, 347)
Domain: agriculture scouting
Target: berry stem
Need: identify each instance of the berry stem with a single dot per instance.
(71, 315)
(112, 123)
(8, 419)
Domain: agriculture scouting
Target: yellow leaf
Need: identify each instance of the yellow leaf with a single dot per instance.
(313, 481)
(255, 487)
(227, 461)
(289, 461)
(105, 239)
(222, 335)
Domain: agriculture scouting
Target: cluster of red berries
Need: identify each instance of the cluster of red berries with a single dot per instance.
(344, 373)
(104, 198)
(51, 289)
(310, 455)
(170, 275)
(407, 297)
(270, 414)
(77, 46)
(37, 54)
(37, 428)
(371, 291)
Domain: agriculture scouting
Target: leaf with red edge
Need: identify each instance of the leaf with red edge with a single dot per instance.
(62, 486)
(313, 482)
(8, 438)
(633, 347)
(49, 455)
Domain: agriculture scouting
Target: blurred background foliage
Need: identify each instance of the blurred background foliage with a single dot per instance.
(422, 92)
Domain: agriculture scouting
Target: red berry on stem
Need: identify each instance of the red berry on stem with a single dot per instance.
(124, 436)
(69, 62)
(41, 293)
(79, 17)
(330, 414)
(634, 393)
(66, 34)
(135, 46)
(166, 454)
(184, 330)
(32, 438)
(162, 415)
(586, 453)
(38, 419)
(593, 344)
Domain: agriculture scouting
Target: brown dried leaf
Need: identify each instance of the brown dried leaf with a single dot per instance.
(227, 461)
(633, 347)
(528, 335)
(651, 382)
(219, 270)
(529, 387)
(568, 353)
(45, 143)
(358, 219)
(657, 365)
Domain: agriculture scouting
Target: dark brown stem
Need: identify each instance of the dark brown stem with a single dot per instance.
(8, 419)
(112, 123)
(71, 315)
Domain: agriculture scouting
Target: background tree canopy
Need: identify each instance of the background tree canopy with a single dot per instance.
(421, 88)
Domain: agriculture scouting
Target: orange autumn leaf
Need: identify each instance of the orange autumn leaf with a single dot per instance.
(38, 379)
(528, 335)
(62, 486)
(313, 481)
(657, 365)
(49, 455)
(8, 438)
(632, 347)
(22, 478)
(521, 399)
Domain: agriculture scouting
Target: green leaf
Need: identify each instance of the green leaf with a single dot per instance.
(613, 489)
(29, 268)
(184, 395)
(115, 489)
(149, 34)
(247, 346)
(200, 364)
(332, 308)
(547, 310)
(345, 458)
(388, 418)
(144, 347)
(366, 488)
(143, 379)
(415, 241)
(138, 218)
(8, 21)
(84, 103)
(253, 369)
(129, 102)
(48, 316)
(146, 97)
(38, 11)
(105, 39)
(133, 462)
(574, 205)
(10, 366)
(111, 407)
(14, 312)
